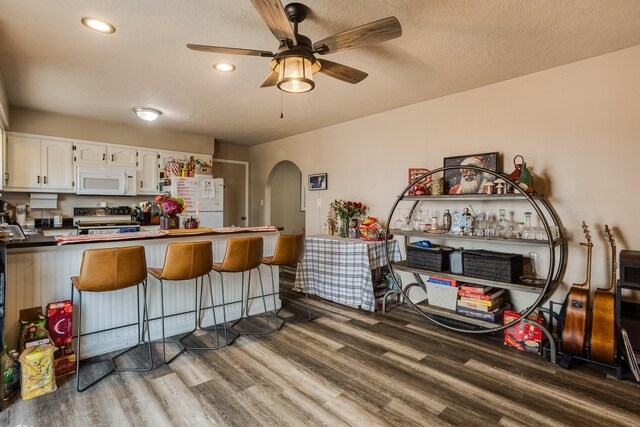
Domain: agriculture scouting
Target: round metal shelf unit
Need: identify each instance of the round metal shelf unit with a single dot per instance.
(537, 202)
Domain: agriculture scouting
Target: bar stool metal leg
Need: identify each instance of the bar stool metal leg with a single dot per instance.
(293, 319)
(245, 311)
(273, 292)
(224, 313)
(111, 361)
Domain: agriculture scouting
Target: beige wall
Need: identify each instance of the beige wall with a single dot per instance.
(576, 125)
(4, 105)
(285, 198)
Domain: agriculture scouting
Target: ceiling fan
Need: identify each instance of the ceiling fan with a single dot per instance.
(294, 64)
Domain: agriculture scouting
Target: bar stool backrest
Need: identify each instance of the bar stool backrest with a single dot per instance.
(186, 261)
(289, 250)
(242, 254)
(111, 269)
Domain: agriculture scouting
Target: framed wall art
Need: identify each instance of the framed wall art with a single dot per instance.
(469, 181)
(317, 181)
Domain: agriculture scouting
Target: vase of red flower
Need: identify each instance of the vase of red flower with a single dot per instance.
(346, 210)
(171, 207)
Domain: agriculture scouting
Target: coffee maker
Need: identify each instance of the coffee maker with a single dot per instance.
(6, 212)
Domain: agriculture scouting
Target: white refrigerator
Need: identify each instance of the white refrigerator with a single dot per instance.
(203, 193)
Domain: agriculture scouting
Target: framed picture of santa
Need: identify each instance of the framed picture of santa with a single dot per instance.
(469, 181)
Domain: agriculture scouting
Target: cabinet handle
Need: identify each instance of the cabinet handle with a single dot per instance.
(6, 178)
(38, 179)
(104, 156)
(140, 184)
(45, 179)
(112, 157)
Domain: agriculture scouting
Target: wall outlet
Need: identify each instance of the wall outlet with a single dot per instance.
(318, 202)
(261, 202)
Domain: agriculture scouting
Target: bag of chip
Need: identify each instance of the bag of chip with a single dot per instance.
(38, 376)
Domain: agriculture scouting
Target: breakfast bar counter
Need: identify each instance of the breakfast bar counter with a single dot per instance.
(38, 271)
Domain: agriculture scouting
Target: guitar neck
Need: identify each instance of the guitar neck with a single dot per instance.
(612, 289)
(587, 282)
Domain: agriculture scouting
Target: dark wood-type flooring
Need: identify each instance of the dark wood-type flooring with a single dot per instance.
(346, 367)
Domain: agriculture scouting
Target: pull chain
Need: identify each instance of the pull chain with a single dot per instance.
(281, 115)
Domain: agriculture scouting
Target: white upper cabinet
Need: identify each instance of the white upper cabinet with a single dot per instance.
(147, 172)
(23, 163)
(90, 154)
(35, 164)
(122, 156)
(57, 165)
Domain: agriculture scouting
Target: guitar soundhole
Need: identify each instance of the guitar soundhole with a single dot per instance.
(577, 304)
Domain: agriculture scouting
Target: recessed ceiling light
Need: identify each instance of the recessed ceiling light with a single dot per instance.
(147, 114)
(98, 25)
(225, 67)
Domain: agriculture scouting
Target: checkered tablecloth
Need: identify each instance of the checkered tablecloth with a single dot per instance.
(339, 269)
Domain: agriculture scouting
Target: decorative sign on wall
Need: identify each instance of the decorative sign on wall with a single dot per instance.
(317, 181)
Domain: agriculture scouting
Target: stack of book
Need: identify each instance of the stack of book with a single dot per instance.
(480, 302)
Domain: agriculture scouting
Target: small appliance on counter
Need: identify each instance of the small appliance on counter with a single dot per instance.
(115, 219)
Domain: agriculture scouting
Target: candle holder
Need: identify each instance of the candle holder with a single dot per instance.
(191, 223)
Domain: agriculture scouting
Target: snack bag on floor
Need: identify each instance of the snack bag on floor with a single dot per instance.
(38, 376)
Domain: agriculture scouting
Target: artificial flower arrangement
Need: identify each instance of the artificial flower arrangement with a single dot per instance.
(346, 210)
(170, 205)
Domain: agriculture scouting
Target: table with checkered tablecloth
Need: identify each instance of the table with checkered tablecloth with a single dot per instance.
(339, 269)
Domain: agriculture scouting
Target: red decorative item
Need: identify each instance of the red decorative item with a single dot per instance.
(421, 188)
(521, 175)
(523, 336)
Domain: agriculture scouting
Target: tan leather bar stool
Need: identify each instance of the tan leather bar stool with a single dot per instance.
(110, 270)
(242, 255)
(289, 252)
(186, 261)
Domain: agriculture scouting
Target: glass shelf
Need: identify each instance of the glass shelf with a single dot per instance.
(526, 242)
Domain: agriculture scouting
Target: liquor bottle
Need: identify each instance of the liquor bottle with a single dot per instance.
(446, 220)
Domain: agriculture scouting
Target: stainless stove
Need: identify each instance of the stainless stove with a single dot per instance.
(104, 220)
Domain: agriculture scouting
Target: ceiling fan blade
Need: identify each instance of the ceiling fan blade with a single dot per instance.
(230, 50)
(271, 80)
(373, 32)
(341, 72)
(276, 19)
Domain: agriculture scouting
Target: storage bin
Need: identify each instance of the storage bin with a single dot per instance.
(435, 258)
(442, 295)
(498, 266)
(455, 262)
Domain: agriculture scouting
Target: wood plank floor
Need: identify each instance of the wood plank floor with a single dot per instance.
(346, 367)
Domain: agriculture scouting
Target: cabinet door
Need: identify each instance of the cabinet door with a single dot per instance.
(166, 156)
(23, 163)
(122, 156)
(147, 172)
(90, 154)
(57, 165)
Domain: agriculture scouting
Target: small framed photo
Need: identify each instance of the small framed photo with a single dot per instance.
(317, 181)
(469, 181)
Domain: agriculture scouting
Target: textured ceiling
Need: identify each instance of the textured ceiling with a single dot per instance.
(50, 62)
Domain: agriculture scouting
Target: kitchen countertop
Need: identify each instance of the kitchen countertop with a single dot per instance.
(33, 241)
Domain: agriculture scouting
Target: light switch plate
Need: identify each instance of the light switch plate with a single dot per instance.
(319, 202)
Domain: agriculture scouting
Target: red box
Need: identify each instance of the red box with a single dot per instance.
(523, 336)
(64, 362)
(59, 317)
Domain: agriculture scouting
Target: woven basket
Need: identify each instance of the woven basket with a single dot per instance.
(434, 259)
(498, 266)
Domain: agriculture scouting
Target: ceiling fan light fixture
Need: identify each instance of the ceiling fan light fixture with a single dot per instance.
(225, 67)
(99, 25)
(295, 75)
(147, 114)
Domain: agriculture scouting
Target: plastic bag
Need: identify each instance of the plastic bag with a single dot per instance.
(38, 376)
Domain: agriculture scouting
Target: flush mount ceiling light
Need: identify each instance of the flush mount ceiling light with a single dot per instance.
(147, 114)
(295, 61)
(225, 67)
(98, 25)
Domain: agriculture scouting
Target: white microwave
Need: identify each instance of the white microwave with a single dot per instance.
(106, 181)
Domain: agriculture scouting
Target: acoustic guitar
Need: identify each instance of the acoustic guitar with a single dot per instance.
(603, 318)
(575, 323)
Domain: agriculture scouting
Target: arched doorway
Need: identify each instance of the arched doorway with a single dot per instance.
(285, 198)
